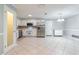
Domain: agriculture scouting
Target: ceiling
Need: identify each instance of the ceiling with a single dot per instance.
(47, 11)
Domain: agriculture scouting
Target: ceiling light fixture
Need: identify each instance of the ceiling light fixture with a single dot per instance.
(60, 18)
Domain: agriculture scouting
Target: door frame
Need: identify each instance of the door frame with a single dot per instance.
(6, 48)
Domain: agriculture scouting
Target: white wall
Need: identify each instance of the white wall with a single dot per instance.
(1, 18)
(1, 29)
(71, 26)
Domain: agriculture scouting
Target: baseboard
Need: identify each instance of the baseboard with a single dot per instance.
(9, 48)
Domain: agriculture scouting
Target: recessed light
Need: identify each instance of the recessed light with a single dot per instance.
(30, 15)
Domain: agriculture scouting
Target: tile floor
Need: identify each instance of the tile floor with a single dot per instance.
(45, 46)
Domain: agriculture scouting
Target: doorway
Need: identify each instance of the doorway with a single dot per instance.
(10, 17)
